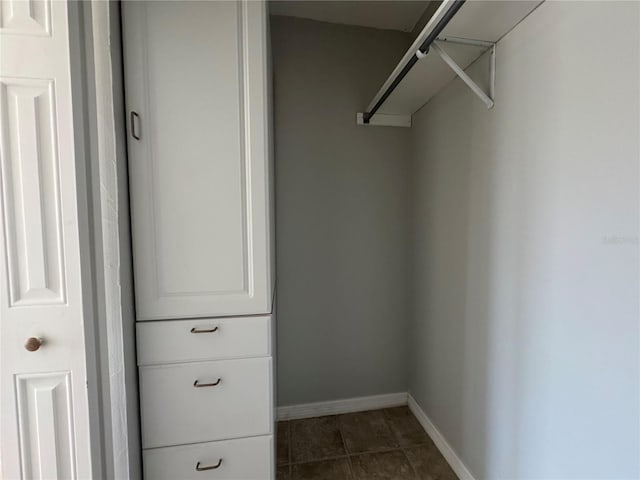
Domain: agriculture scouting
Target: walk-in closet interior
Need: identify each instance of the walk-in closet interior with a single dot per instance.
(403, 232)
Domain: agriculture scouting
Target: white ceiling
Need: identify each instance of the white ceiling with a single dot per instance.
(392, 15)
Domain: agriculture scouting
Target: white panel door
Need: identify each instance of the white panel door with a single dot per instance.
(198, 157)
(44, 418)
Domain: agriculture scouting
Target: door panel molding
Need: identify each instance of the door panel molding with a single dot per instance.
(33, 230)
(45, 292)
(199, 198)
(46, 425)
(20, 17)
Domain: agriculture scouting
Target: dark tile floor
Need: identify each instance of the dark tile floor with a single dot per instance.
(386, 444)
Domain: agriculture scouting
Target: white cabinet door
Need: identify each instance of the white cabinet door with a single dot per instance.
(44, 411)
(196, 80)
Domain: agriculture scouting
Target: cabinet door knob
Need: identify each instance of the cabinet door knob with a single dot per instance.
(33, 344)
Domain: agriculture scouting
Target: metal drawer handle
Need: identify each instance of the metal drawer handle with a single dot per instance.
(201, 385)
(132, 120)
(195, 330)
(210, 467)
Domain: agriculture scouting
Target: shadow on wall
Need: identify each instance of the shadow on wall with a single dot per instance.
(525, 335)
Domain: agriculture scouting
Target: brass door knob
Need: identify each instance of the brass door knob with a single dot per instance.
(33, 344)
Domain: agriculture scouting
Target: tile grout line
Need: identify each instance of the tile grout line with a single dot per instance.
(346, 451)
(398, 437)
(357, 454)
(348, 455)
(286, 465)
(387, 420)
(289, 438)
(413, 468)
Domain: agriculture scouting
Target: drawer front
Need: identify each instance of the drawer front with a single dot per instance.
(243, 459)
(203, 339)
(231, 399)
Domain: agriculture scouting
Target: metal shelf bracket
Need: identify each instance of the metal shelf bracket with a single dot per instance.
(488, 99)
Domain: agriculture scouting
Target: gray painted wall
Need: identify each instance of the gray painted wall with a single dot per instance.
(524, 336)
(341, 216)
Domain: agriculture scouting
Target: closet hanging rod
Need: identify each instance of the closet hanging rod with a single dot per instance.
(420, 53)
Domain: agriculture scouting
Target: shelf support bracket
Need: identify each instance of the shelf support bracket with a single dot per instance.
(487, 99)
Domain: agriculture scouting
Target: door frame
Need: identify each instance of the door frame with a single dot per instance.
(98, 95)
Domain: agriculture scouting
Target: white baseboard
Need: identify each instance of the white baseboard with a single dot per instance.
(349, 405)
(448, 453)
(335, 407)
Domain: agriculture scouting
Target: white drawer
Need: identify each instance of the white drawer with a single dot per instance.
(174, 411)
(243, 459)
(192, 340)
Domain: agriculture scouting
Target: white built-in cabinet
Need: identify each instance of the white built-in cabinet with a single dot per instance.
(197, 100)
(198, 118)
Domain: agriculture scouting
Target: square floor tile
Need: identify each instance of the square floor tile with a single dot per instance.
(282, 448)
(429, 463)
(315, 439)
(392, 465)
(406, 427)
(337, 469)
(366, 432)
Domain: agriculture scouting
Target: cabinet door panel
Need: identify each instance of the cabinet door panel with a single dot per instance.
(198, 148)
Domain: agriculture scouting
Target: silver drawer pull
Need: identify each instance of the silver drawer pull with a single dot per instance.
(201, 385)
(210, 467)
(132, 120)
(195, 330)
